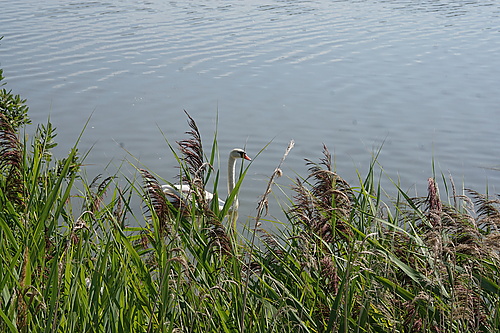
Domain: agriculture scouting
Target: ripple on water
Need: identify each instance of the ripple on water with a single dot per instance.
(418, 76)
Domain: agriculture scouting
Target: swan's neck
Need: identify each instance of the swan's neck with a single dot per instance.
(231, 166)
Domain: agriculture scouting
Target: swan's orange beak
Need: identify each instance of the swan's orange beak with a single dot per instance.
(247, 158)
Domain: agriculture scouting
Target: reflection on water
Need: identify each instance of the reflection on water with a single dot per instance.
(419, 78)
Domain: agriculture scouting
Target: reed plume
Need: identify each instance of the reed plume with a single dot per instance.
(155, 196)
(192, 151)
(488, 210)
(96, 192)
(11, 163)
(220, 241)
(324, 209)
(193, 168)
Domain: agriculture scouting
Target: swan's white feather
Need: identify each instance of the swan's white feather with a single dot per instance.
(183, 192)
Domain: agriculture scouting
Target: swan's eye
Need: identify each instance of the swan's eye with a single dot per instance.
(245, 156)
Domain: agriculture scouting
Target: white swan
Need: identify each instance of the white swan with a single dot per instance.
(177, 192)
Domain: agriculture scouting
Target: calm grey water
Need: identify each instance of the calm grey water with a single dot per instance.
(420, 78)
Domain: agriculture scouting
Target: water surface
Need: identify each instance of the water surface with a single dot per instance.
(418, 78)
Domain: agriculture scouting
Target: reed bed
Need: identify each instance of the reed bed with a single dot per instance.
(74, 257)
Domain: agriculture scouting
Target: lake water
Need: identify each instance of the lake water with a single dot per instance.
(419, 78)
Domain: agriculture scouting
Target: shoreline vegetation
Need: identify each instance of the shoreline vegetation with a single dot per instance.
(344, 261)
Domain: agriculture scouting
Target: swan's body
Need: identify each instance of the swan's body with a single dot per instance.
(176, 193)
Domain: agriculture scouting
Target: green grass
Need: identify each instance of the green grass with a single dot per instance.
(344, 261)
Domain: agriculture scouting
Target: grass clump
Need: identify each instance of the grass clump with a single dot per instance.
(74, 257)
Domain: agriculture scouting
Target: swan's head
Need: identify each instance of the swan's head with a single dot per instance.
(239, 153)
